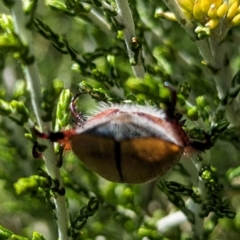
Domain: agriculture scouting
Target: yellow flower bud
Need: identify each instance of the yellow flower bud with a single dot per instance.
(168, 15)
(236, 20)
(230, 2)
(197, 11)
(211, 24)
(205, 5)
(212, 12)
(222, 10)
(232, 10)
(187, 5)
(217, 3)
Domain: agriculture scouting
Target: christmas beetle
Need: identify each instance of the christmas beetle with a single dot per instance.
(128, 143)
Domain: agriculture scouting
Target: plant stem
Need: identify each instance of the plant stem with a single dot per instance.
(182, 20)
(99, 20)
(125, 18)
(34, 87)
(193, 168)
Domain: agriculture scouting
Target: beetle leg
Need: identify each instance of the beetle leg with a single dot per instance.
(79, 119)
(52, 136)
(202, 145)
(59, 137)
(36, 153)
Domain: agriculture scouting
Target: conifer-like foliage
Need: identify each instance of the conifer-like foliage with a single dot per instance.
(118, 51)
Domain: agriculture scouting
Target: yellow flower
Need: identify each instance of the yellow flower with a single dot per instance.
(211, 13)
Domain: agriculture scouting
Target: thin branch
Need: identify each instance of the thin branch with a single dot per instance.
(125, 18)
(219, 52)
(107, 6)
(98, 19)
(193, 168)
(34, 87)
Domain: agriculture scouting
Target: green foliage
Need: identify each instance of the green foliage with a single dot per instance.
(118, 51)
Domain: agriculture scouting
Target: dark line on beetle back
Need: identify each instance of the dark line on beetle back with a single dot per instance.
(117, 152)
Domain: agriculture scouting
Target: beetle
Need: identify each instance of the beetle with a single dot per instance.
(128, 143)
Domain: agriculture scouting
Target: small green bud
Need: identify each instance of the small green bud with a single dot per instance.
(57, 86)
(56, 5)
(17, 237)
(62, 112)
(141, 97)
(85, 87)
(206, 175)
(201, 102)
(9, 43)
(37, 236)
(120, 35)
(19, 88)
(28, 6)
(233, 173)
(99, 75)
(25, 185)
(132, 61)
(144, 232)
(184, 89)
(164, 94)
(5, 108)
(29, 136)
(202, 32)
(111, 59)
(5, 233)
(136, 85)
(76, 68)
(192, 113)
(21, 109)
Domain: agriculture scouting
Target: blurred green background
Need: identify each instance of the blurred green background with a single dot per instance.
(101, 68)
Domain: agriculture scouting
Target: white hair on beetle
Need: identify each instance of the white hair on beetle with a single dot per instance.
(126, 121)
(129, 108)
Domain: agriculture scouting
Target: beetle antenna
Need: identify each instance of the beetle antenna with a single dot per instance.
(172, 105)
(77, 115)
